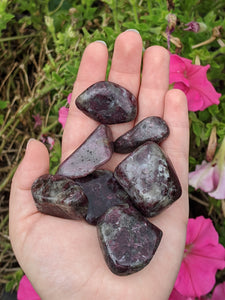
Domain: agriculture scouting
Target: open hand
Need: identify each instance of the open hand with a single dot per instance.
(62, 258)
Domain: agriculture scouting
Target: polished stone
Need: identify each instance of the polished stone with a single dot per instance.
(94, 152)
(127, 239)
(59, 196)
(103, 192)
(152, 129)
(149, 178)
(108, 103)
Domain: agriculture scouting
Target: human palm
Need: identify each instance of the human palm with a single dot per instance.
(62, 258)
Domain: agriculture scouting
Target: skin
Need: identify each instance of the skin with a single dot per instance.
(62, 258)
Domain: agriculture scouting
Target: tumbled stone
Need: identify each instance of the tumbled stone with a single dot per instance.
(94, 152)
(108, 103)
(103, 192)
(149, 178)
(152, 129)
(59, 196)
(127, 239)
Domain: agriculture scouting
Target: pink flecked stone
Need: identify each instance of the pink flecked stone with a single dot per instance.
(94, 152)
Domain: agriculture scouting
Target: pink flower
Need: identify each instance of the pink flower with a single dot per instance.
(47, 140)
(219, 292)
(203, 256)
(192, 80)
(177, 296)
(192, 26)
(26, 290)
(37, 119)
(63, 112)
(205, 177)
(210, 177)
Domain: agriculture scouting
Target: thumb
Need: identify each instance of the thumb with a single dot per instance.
(34, 164)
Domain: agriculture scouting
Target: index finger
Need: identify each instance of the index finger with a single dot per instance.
(92, 69)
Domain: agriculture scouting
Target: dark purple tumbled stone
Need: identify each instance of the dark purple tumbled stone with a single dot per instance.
(103, 192)
(94, 152)
(59, 196)
(108, 103)
(127, 239)
(148, 176)
(152, 129)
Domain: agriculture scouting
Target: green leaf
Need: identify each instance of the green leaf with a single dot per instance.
(57, 78)
(3, 104)
(5, 17)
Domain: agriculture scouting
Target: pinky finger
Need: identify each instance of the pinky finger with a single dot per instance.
(177, 144)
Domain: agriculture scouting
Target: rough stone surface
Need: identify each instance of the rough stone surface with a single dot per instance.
(152, 129)
(149, 178)
(108, 103)
(94, 152)
(59, 196)
(103, 192)
(127, 239)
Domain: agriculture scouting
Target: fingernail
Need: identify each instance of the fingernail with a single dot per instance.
(134, 30)
(31, 139)
(100, 41)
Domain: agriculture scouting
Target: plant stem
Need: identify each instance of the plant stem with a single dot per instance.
(12, 38)
(25, 107)
(149, 6)
(48, 128)
(57, 8)
(133, 3)
(114, 9)
(8, 135)
(8, 178)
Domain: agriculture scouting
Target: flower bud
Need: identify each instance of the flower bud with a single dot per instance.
(195, 26)
(172, 22)
(211, 149)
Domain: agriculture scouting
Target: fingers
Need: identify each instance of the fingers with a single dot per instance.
(125, 69)
(34, 164)
(126, 61)
(92, 69)
(155, 82)
(177, 144)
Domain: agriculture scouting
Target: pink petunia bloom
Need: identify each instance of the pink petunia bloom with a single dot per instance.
(203, 256)
(219, 292)
(192, 80)
(63, 112)
(26, 290)
(210, 177)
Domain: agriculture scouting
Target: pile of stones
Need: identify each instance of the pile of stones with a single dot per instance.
(119, 202)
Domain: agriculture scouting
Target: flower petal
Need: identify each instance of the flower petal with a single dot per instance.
(69, 98)
(177, 296)
(195, 99)
(63, 113)
(195, 278)
(203, 257)
(219, 192)
(26, 290)
(200, 93)
(219, 292)
(201, 232)
(177, 70)
(203, 177)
